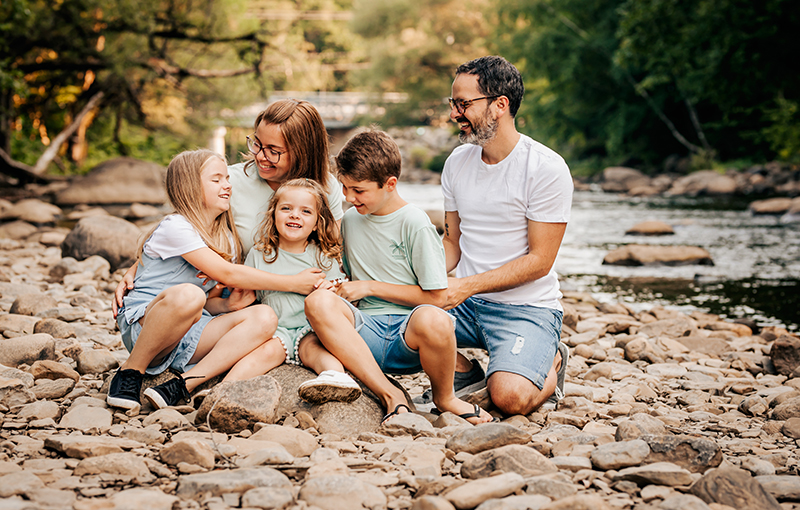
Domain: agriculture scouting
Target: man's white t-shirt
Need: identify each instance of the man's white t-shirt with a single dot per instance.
(250, 196)
(494, 204)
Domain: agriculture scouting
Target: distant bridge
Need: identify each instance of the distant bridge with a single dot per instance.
(340, 112)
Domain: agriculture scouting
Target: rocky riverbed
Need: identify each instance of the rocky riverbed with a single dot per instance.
(663, 410)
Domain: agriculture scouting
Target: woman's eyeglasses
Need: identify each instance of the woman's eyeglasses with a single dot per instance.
(273, 156)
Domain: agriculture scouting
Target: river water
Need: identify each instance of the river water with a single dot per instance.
(756, 271)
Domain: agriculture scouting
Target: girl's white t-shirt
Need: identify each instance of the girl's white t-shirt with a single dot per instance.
(494, 204)
(173, 237)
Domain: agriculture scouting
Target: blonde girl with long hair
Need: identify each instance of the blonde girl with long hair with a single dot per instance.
(174, 320)
(299, 232)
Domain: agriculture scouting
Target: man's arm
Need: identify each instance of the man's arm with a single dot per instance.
(452, 235)
(544, 239)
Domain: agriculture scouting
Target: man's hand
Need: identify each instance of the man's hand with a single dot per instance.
(457, 292)
(353, 291)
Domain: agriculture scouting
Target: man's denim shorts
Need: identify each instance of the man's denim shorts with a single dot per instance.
(520, 339)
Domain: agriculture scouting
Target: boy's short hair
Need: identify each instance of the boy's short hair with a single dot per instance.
(370, 155)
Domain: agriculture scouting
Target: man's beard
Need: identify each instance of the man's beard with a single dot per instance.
(480, 134)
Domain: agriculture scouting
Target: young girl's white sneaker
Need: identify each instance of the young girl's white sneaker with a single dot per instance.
(329, 386)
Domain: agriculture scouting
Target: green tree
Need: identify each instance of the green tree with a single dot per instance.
(414, 48)
(168, 66)
(637, 80)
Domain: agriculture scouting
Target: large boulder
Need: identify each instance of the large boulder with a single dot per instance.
(362, 415)
(32, 210)
(622, 179)
(231, 407)
(778, 205)
(705, 182)
(655, 255)
(785, 354)
(650, 228)
(27, 349)
(118, 181)
(110, 237)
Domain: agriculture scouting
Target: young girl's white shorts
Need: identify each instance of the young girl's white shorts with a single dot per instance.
(180, 356)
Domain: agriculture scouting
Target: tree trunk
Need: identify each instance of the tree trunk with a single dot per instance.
(27, 173)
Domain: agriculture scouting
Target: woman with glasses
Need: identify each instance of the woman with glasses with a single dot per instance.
(289, 142)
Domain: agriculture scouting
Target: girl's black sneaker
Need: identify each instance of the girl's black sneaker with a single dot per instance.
(125, 388)
(168, 394)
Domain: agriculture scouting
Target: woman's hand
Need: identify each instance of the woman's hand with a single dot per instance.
(353, 291)
(125, 285)
(308, 280)
(240, 298)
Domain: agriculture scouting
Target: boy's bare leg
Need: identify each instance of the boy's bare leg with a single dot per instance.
(430, 332)
(333, 323)
(315, 356)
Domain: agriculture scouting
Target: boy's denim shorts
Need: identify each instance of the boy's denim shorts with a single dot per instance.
(520, 339)
(385, 337)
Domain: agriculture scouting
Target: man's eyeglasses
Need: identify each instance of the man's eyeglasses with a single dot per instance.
(273, 156)
(461, 105)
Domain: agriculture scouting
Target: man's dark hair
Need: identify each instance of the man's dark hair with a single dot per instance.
(496, 77)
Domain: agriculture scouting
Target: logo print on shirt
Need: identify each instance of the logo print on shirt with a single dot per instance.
(398, 250)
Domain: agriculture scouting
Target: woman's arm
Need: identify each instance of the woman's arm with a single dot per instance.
(123, 287)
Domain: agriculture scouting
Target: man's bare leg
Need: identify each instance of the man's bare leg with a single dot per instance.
(514, 394)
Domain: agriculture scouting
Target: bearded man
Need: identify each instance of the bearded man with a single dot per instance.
(507, 201)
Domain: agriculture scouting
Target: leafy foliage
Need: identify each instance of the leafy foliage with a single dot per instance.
(163, 66)
(415, 47)
(637, 80)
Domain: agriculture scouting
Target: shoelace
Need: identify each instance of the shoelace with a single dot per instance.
(130, 385)
(178, 385)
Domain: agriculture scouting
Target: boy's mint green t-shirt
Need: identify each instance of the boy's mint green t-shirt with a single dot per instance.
(288, 306)
(402, 248)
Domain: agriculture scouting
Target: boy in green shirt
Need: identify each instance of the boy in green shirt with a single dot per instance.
(395, 261)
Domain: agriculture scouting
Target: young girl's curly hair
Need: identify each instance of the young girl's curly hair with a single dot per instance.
(325, 236)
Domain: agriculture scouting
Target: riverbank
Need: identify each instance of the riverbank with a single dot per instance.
(661, 408)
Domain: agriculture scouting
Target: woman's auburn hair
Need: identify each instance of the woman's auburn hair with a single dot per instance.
(325, 236)
(185, 193)
(305, 135)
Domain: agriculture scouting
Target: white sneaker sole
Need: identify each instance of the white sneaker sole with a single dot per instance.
(155, 398)
(122, 402)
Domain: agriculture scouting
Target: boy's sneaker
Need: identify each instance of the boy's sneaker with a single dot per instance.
(464, 383)
(330, 385)
(124, 389)
(552, 402)
(168, 394)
